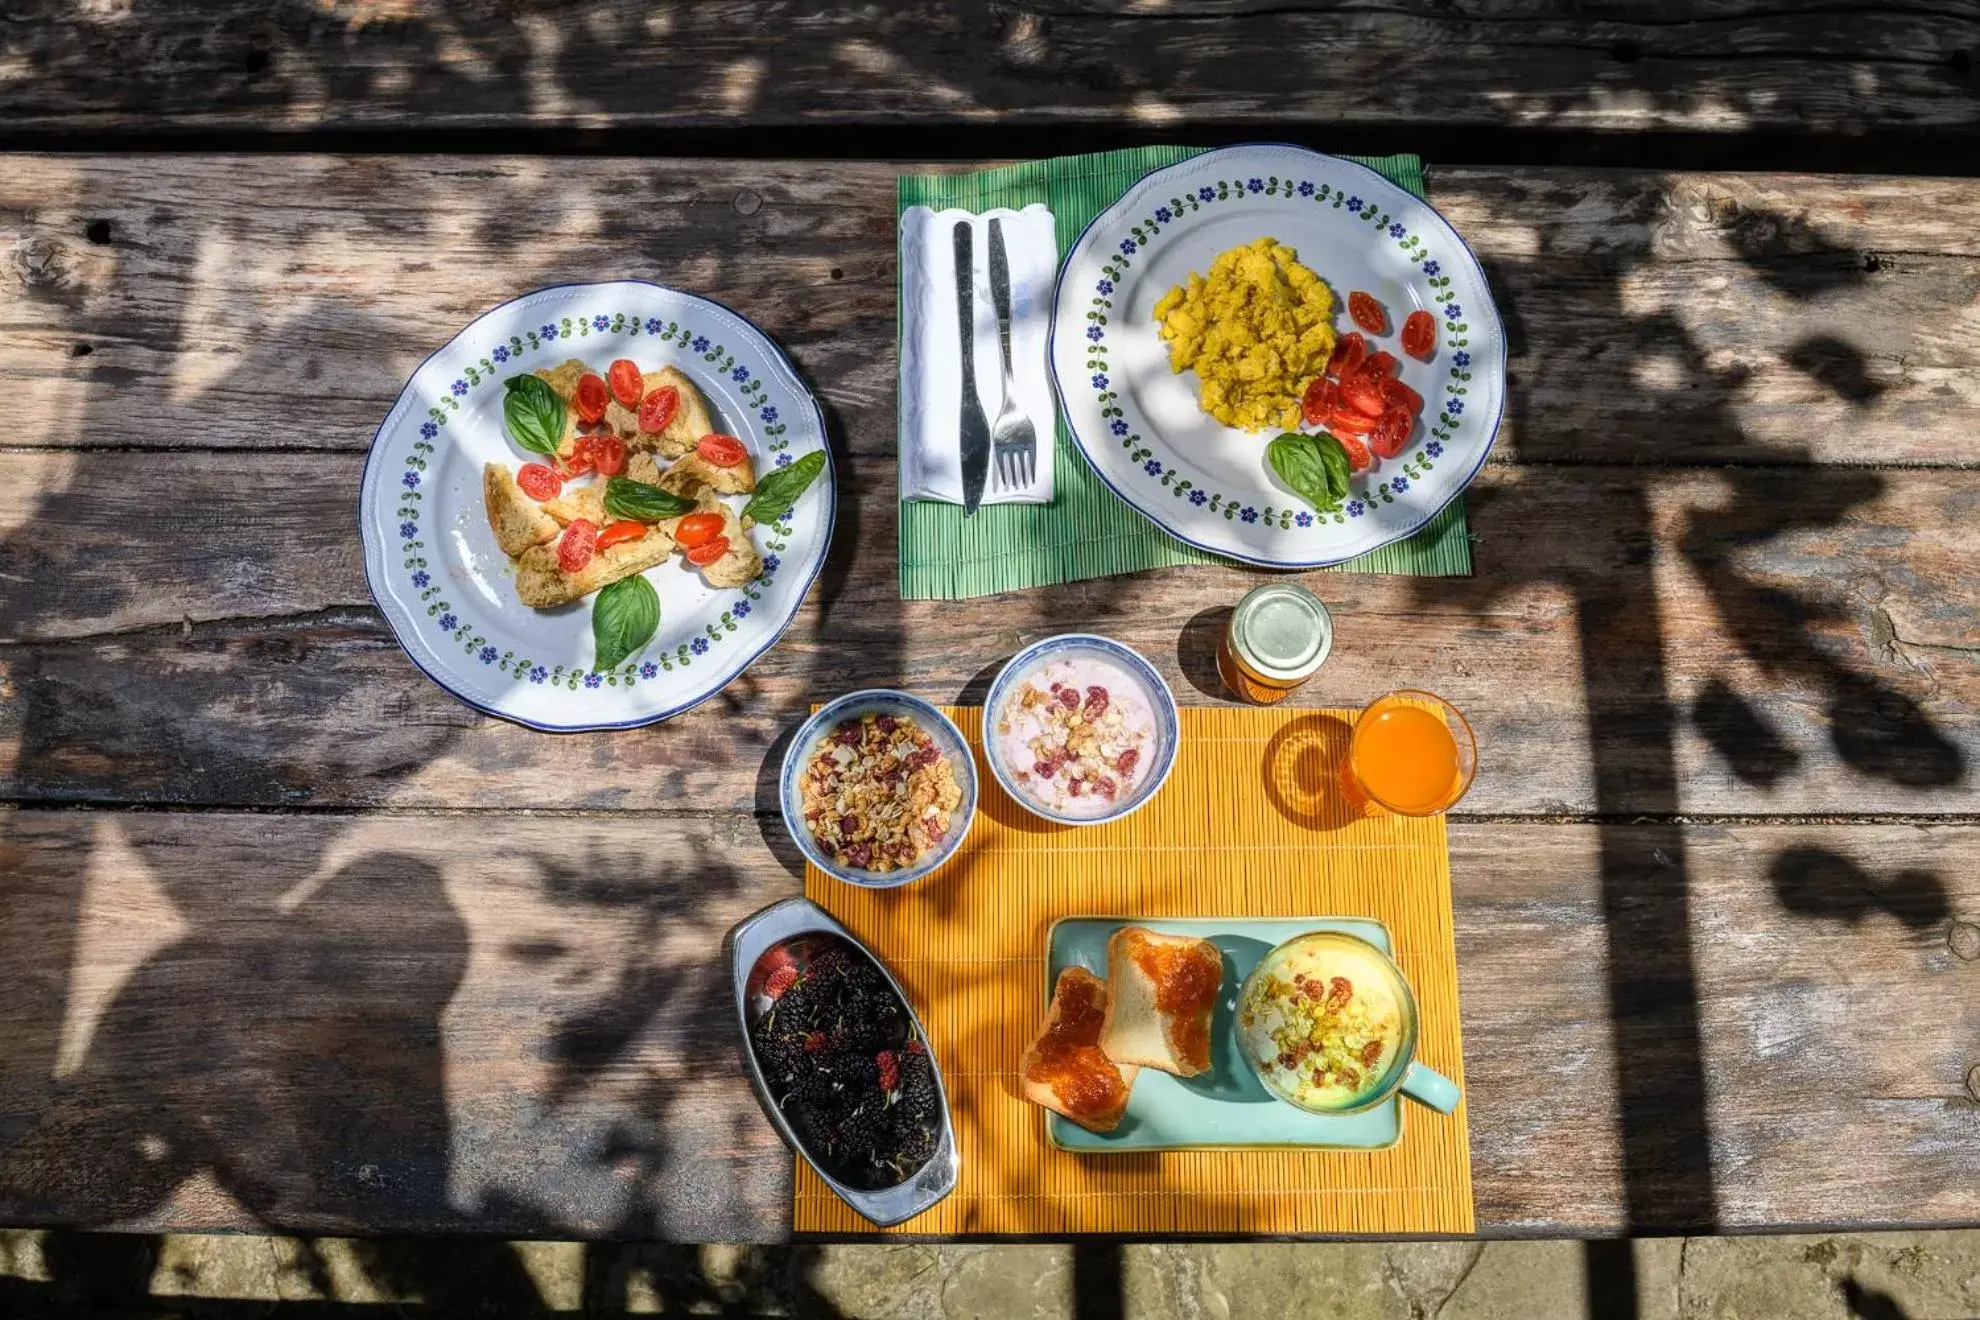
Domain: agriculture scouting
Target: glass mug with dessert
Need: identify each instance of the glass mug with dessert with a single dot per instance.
(1328, 1024)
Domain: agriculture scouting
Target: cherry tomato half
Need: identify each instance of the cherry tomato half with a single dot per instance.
(1367, 313)
(608, 454)
(625, 529)
(582, 460)
(721, 450)
(1357, 452)
(1349, 350)
(698, 529)
(1346, 421)
(708, 552)
(1419, 336)
(578, 545)
(1391, 433)
(1402, 396)
(628, 386)
(658, 408)
(1319, 398)
(590, 399)
(1382, 364)
(539, 482)
(1362, 391)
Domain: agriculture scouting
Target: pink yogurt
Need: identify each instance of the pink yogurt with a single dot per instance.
(1077, 735)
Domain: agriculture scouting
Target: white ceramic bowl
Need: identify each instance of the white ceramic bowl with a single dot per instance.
(1168, 729)
(881, 701)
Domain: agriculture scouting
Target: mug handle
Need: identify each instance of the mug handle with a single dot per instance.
(1430, 1087)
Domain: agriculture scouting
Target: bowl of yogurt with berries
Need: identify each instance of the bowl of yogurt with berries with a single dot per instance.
(1080, 729)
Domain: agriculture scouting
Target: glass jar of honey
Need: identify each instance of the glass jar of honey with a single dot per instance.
(1278, 636)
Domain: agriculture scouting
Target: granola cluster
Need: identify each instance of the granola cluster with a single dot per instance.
(878, 794)
(1079, 743)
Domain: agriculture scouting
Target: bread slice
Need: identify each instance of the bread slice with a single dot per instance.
(1162, 992)
(692, 419)
(542, 584)
(1064, 1069)
(518, 521)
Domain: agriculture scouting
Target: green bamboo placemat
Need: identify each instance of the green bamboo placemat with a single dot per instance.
(1088, 531)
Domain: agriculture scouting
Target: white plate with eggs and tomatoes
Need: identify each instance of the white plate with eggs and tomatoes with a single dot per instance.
(1385, 434)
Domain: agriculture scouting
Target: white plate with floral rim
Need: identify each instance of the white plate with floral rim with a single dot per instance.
(446, 587)
(1208, 485)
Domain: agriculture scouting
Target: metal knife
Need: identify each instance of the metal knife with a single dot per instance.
(975, 425)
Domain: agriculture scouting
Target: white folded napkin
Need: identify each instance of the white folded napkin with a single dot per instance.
(931, 356)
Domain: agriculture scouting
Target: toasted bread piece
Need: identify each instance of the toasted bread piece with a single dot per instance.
(691, 421)
(1064, 1068)
(1163, 990)
(543, 585)
(691, 471)
(644, 467)
(518, 521)
(575, 502)
(622, 421)
(564, 377)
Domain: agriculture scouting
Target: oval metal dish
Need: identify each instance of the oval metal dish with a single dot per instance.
(783, 923)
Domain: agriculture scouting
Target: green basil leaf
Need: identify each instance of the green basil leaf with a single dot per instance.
(1315, 467)
(534, 413)
(778, 490)
(1333, 454)
(626, 498)
(623, 619)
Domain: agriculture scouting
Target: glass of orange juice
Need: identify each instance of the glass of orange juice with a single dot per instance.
(1413, 752)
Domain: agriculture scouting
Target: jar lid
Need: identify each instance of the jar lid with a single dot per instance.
(1282, 632)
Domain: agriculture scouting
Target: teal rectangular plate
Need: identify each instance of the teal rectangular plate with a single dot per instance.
(1226, 1108)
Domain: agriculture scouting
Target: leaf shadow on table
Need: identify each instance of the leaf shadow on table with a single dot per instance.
(1791, 622)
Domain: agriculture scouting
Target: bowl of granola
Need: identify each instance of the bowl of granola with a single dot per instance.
(879, 788)
(1080, 729)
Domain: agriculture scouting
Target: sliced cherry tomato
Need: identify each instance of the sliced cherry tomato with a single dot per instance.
(1367, 313)
(582, 459)
(608, 455)
(658, 408)
(1357, 452)
(590, 399)
(1349, 350)
(1382, 364)
(708, 552)
(721, 450)
(1346, 421)
(1402, 396)
(1317, 399)
(1391, 433)
(628, 386)
(1362, 391)
(698, 529)
(539, 482)
(625, 529)
(578, 545)
(1419, 336)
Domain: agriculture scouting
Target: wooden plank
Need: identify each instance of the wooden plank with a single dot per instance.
(190, 632)
(517, 1025)
(250, 301)
(1729, 66)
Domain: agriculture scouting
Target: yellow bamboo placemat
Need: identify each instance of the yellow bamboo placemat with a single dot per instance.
(1249, 824)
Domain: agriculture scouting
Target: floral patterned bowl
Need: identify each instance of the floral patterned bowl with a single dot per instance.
(445, 586)
(878, 701)
(1138, 423)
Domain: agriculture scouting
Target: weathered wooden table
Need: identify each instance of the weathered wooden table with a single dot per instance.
(290, 937)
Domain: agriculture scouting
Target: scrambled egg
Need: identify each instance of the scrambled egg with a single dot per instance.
(1256, 331)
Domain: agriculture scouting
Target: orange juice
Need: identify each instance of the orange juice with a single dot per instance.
(1406, 758)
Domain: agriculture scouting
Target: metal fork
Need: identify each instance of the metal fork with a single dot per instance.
(1013, 439)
